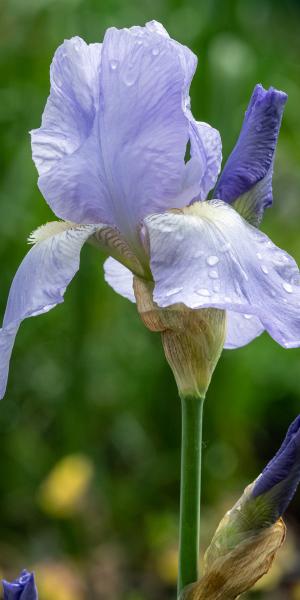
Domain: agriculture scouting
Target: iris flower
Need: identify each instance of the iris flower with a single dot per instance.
(23, 588)
(124, 164)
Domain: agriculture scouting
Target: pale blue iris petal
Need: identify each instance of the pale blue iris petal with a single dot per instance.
(119, 278)
(39, 285)
(209, 256)
(241, 329)
(112, 143)
(65, 148)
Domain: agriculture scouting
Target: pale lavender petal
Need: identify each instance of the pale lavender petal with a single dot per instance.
(39, 285)
(204, 166)
(119, 278)
(252, 158)
(66, 148)
(143, 128)
(241, 329)
(207, 255)
(112, 143)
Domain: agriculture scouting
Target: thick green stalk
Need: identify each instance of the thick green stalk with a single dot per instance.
(190, 490)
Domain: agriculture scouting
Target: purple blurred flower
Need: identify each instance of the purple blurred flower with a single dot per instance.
(278, 482)
(23, 588)
(111, 160)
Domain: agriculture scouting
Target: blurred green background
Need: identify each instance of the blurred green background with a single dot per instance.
(90, 426)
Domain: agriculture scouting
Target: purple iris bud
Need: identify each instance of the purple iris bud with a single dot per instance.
(23, 588)
(278, 481)
(252, 158)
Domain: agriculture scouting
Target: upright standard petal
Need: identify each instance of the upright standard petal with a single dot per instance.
(247, 175)
(23, 588)
(66, 148)
(112, 143)
(40, 284)
(208, 256)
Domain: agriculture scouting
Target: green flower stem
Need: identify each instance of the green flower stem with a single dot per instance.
(190, 490)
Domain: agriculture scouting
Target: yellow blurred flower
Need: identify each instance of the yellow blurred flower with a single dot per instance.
(167, 565)
(64, 488)
(58, 582)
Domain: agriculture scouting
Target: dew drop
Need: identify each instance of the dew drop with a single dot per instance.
(258, 128)
(130, 78)
(114, 65)
(287, 287)
(259, 256)
(213, 274)
(248, 317)
(212, 260)
(203, 292)
(264, 269)
(173, 291)
(155, 51)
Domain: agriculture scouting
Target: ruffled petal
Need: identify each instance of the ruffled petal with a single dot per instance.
(209, 256)
(241, 329)
(247, 175)
(112, 143)
(119, 278)
(40, 284)
(66, 148)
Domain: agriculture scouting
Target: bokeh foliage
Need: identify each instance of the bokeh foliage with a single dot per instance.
(90, 426)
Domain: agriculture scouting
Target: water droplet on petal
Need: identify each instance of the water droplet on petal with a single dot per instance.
(212, 260)
(155, 51)
(246, 316)
(287, 287)
(264, 269)
(259, 256)
(213, 274)
(203, 292)
(114, 65)
(130, 78)
(258, 128)
(173, 291)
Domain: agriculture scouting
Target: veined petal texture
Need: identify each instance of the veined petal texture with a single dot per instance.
(247, 174)
(114, 132)
(208, 256)
(40, 284)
